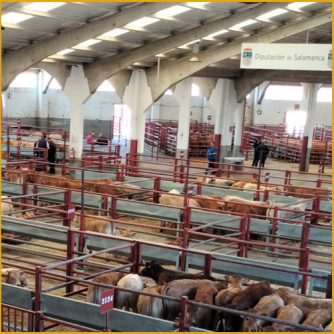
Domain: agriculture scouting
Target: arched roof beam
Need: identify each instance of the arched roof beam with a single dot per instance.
(103, 69)
(20, 60)
(173, 72)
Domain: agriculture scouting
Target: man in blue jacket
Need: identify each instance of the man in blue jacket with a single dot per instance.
(212, 156)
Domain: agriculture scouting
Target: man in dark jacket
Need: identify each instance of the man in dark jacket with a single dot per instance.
(212, 157)
(52, 155)
(263, 153)
(41, 147)
(256, 152)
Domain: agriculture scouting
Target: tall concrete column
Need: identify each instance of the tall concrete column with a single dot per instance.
(138, 97)
(41, 115)
(309, 105)
(182, 94)
(77, 91)
(223, 100)
(155, 111)
(238, 124)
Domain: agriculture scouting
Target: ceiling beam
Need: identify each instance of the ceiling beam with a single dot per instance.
(18, 61)
(176, 71)
(101, 70)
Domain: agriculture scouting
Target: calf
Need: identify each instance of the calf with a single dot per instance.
(302, 192)
(178, 201)
(267, 306)
(14, 276)
(6, 206)
(290, 313)
(209, 202)
(151, 306)
(94, 292)
(128, 300)
(318, 318)
(95, 224)
(244, 300)
(306, 304)
(162, 276)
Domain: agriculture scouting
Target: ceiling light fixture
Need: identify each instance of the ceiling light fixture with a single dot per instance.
(296, 6)
(64, 52)
(186, 46)
(87, 43)
(198, 5)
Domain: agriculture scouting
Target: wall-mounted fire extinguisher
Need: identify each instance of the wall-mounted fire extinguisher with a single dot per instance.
(72, 153)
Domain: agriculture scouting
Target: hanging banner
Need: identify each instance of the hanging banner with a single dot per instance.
(309, 57)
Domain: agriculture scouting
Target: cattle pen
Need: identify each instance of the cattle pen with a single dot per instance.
(291, 247)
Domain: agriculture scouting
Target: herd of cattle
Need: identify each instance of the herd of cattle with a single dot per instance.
(233, 294)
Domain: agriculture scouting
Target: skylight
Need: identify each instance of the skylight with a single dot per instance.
(14, 18)
(239, 26)
(199, 5)
(298, 5)
(186, 46)
(43, 6)
(64, 52)
(142, 22)
(114, 33)
(212, 36)
(271, 14)
(87, 43)
(168, 92)
(172, 11)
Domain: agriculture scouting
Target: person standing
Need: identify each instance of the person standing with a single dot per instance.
(212, 156)
(90, 138)
(41, 147)
(263, 153)
(52, 152)
(256, 152)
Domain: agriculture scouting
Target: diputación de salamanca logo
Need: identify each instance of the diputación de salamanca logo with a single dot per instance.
(247, 55)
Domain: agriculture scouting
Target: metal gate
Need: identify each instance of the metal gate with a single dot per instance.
(16, 319)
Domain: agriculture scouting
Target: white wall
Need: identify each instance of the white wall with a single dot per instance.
(20, 102)
(273, 112)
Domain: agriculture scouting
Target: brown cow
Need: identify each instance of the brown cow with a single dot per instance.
(303, 192)
(95, 224)
(200, 316)
(94, 292)
(210, 202)
(244, 300)
(14, 276)
(151, 306)
(225, 296)
(318, 318)
(267, 306)
(306, 304)
(290, 313)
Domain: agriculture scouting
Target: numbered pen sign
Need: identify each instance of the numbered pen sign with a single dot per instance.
(266, 177)
(190, 190)
(107, 301)
(70, 211)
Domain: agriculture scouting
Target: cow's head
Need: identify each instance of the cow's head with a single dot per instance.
(16, 277)
(252, 324)
(152, 269)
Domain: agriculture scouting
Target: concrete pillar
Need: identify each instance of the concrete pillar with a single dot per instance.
(238, 123)
(77, 91)
(182, 94)
(223, 100)
(309, 105)
(41, 114)
(155, 111)
(138, 97)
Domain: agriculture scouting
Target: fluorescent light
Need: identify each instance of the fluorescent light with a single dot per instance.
(142, 22)
(298, 5)
(186, 46)
(114, 33)
(172, 11)
(211, 37)
(87, 43)
(64, 52)
(240, 25)
(269, 15)
(199, 5)
(14, 18)
(43, 6)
